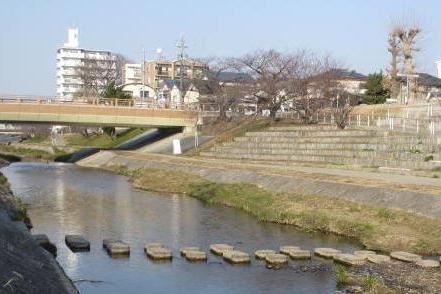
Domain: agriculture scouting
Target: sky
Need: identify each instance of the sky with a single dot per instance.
(353, 31)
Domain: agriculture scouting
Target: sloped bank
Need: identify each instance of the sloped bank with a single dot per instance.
(24, 266)
(376, 227)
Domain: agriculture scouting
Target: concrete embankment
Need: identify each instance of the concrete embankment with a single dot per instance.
(24, 266)
(422, 199)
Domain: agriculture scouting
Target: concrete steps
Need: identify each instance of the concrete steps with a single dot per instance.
(323, 159)
(360, 147)
(350, 153)
(325, 144)
(348, 139)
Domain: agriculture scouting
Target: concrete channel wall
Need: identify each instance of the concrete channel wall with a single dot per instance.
(420, 202)
(25, 267)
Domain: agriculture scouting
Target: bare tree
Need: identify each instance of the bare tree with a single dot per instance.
(96, 75)
(120, 61)
(394, 49)
(407, 36)
(271, 71)
(225, 93)
(313, 84)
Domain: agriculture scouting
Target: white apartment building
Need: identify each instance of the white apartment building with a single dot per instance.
(82, 71)
(132, 73)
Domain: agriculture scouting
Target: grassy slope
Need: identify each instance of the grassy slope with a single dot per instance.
(377, 228)
(28, 153)
(102, 141)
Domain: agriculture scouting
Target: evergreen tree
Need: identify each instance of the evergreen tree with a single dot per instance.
(375, 91)
(112, 91)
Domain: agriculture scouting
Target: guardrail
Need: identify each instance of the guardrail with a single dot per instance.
(98, 101)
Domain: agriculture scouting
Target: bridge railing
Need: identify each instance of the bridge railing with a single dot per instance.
(99, 101)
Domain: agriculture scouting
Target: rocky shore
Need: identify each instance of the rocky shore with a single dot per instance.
(24, 266)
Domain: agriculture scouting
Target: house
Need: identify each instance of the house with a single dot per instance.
(139, 91)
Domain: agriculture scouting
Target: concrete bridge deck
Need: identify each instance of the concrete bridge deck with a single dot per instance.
(102, 112)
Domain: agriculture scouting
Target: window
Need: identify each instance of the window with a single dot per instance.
(144, 94)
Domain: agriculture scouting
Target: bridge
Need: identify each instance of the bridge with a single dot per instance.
(96, 112)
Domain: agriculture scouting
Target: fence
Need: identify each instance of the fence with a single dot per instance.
(98, 101)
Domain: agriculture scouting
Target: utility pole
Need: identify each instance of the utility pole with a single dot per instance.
(181, 55)
(143, 66)
(407, 76)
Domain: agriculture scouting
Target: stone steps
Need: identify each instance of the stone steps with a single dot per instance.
(327, 145)
(362, 147)
(348, 139)
(355, 153)
(322, 159)
(312, 133)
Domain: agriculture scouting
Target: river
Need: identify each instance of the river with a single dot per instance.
(67, 199)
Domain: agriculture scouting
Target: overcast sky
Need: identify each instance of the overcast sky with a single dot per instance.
(354, 31)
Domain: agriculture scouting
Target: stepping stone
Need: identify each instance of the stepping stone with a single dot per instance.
(77, 243)
(276, 258)
(287, 249)
(148, 246)
(220, 249)
(261, 254)
(405, 256)
(378, 258)
(235, 256)
(326, 252)
(364, 253)
(426, 263)
(185, 250)
(299, 254)
(349, 259)
(196, 255)
(106, 242)
(118, 248)
(159, 253)
(44, 242)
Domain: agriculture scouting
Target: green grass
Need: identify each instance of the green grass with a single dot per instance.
(28, 153)
(3, 180)
(428, 158)
(381, 229)
(102, 140)
(341, 276)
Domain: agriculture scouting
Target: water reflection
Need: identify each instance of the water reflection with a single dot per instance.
(65, 199)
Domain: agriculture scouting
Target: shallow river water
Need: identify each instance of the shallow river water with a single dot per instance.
(67, 199)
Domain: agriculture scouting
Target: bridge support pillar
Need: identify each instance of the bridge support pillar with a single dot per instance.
(189, 130)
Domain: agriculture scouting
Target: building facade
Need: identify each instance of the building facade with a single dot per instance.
(83, 71)
(132, 73)
(159, 70)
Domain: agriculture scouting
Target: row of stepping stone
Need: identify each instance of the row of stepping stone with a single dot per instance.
(361, 256)
(157, 251)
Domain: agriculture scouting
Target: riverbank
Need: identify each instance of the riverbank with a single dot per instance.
(24, 266)
(376, 228)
